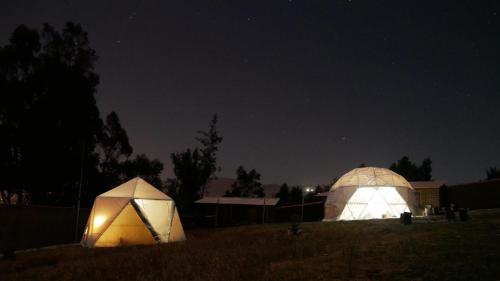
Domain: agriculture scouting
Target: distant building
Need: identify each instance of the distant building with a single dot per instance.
(427, 193)
(226, 211)
(216, 210)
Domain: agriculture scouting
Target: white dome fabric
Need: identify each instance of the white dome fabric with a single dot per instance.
(369, 193)
(371, 176)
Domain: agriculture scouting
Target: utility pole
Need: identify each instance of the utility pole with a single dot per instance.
(79, 192)
(304, 193)
(302, 208)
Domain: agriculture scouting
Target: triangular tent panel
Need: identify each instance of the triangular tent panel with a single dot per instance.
(369, 193)
(132, 213)
(102, 215)
(176, 232)
(153, 211)
(124, 190)
(146, 191)
(126, 229)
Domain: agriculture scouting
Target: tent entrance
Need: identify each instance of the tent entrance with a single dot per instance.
(374, 203)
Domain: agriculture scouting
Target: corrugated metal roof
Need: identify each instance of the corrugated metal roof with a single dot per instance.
(239, 201)
(427, 184)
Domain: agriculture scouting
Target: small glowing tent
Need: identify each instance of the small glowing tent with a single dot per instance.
(369, 193)
(132, 213)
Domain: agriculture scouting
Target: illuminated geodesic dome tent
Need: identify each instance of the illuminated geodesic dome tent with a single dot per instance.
(369, 193)
(130, 214)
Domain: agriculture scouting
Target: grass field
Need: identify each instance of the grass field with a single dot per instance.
(364, 250)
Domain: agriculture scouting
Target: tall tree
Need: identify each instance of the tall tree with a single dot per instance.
(411, 171)
(284, 193)
(194, 167)
(492, 173)
(18, 61)
(189, 173)
(171, 188)
(142, 166)
(48, 109)
(116, 166)
(114, 149)
(296, 194)
(114, 140)
(209, 141)
(425, 170)
(247, 184)
(50, 124)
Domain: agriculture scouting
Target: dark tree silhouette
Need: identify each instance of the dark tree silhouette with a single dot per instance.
(411, 171)
(194, 167)
(492, 173)
(284, 193)
(18, 60)
(116, 166)
(50, 124)
(171, 188)
(142, 166)
(188, 170)
(48, 110)
(425, 170)
(114, 141)
(296, 194)
(209, 141)
(114, 150)
(247, 184)
(322, 188)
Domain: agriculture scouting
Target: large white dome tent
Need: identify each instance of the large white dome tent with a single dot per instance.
(369, 193)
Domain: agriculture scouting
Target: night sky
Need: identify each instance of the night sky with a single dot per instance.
(305, 90)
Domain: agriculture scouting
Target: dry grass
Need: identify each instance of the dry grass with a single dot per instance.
(368, 250)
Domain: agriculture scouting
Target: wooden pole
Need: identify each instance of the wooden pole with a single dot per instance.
(217, 211)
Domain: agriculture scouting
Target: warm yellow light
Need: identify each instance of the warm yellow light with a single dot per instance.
(99, 220)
